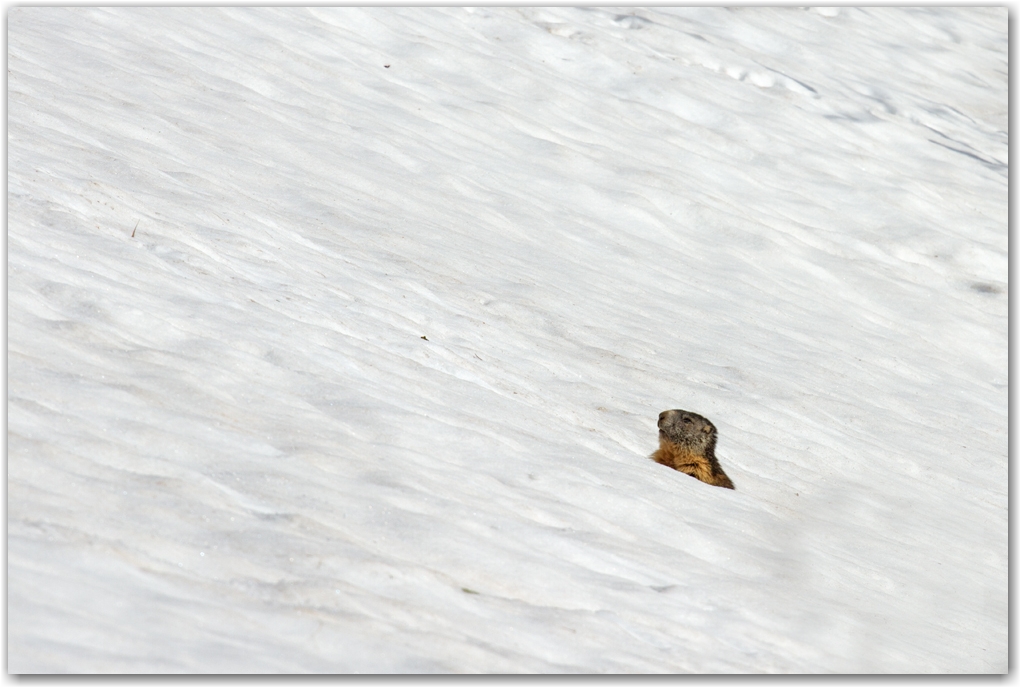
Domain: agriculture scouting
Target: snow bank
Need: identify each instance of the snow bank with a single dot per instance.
(337, 339)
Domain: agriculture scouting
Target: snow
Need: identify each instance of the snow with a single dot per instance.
(337, 339)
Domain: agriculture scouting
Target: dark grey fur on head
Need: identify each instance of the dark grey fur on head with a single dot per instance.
(688, 429)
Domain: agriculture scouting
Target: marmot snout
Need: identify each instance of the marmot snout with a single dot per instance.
(687, 443)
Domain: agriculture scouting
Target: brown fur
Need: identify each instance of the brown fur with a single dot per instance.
(687, 443)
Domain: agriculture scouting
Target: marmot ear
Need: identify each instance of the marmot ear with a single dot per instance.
(707, 429)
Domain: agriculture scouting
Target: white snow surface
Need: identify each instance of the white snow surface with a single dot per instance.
(373, 384)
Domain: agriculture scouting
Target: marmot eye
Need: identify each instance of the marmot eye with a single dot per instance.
(687, 420)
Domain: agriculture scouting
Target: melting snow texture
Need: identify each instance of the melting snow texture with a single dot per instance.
(337, 338)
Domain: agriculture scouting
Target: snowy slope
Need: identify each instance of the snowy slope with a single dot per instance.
(231, 448)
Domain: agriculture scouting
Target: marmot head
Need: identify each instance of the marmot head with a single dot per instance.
(688, 429)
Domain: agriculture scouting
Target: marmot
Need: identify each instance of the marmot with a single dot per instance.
(687, 444)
